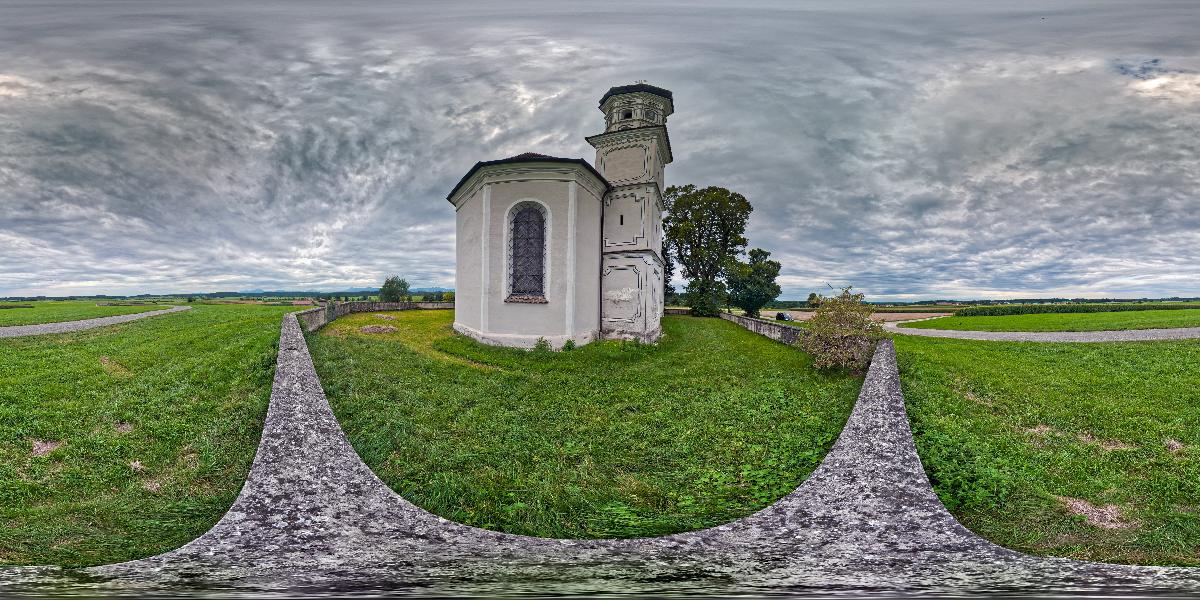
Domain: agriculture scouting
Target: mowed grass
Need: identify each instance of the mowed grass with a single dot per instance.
(1100, 321)
(608, 440)
(57, 311)
(125, 441)
(1014, 435)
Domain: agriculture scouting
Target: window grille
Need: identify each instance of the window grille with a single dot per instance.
(527, 264)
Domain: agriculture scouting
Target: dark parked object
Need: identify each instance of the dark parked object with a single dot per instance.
(782, 316)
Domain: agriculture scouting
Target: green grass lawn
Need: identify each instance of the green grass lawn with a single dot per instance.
(57, 311)
(1101, 321)
(608, 440)
(126, 441)
(1013, 435)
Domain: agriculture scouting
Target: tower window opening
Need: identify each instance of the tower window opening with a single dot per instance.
(622, 219)
(627, 114)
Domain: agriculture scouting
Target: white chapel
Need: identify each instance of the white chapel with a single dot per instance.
(556, 249)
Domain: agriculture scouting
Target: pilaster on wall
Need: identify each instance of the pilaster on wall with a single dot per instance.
(572, 190)
(485, 264)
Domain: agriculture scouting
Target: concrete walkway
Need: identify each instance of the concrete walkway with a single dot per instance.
(313, 516)
(68, 326)
(1125, 335)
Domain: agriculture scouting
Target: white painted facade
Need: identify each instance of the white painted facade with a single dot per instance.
(601, 270)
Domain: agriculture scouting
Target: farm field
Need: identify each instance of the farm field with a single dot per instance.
(125, 441)
(1090, 451)
(801, 316)
(57, 311)
(607, 440)
(1098, 321)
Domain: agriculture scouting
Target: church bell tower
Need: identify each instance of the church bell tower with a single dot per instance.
(631, 154)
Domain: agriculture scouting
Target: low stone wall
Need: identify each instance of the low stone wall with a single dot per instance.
(316, 318)
(677, 311)
(780, 333)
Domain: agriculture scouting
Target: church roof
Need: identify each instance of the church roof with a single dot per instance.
(636, 87)
(527, 157)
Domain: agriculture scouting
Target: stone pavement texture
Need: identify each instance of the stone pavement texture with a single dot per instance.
(1126, 335)
(313, 516)
(68, 326)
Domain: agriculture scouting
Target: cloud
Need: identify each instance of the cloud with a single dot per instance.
(932, 151)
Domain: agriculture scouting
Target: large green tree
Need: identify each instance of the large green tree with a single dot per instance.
(705, 231)
(668, 254)
(752, 284)
(394, 289)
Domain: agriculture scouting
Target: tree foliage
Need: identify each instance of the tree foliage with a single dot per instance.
(813, 300)
(394, 289)
(668, 290)
(752, 284)
(705, 231)
(842, 333)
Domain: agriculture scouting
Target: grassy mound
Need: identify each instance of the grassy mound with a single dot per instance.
(608, 440)
(1090, 451)
(126, 441)
(1100, 321)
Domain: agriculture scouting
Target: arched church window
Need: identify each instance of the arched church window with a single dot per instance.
(527, 252)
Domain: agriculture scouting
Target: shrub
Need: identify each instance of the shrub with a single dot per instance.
(705, 298)
(542, 345)
(569, 345)
(841, 333)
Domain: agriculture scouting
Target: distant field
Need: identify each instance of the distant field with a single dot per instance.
(608, 440)
(1090, 451)
(802, 316)
(999, 310)
(1101, 321)
(926, 308)
(122, 442)
(56, 311)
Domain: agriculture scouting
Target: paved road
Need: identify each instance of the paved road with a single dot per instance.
(67, 326)
(1126, 335)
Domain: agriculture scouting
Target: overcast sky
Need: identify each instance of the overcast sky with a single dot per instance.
(950, 149)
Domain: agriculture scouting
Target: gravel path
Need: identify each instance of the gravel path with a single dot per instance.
(67, 326)
(1125, 335)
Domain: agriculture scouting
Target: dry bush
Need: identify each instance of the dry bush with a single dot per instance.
(841, 333)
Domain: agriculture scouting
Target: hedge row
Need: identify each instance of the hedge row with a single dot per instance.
(1037, 309)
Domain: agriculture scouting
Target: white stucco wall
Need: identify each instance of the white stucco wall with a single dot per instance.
(571, 198)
